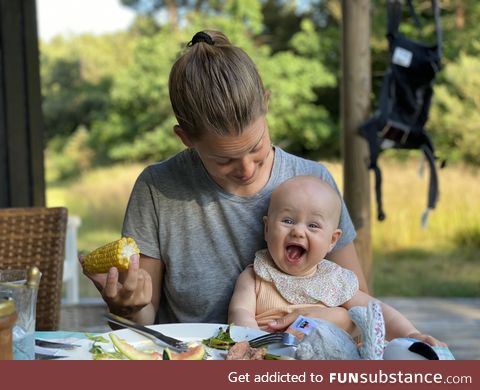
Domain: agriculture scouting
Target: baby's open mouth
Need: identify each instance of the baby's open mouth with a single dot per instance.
(295, 252)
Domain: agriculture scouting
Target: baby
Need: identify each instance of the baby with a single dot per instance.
(300, 229)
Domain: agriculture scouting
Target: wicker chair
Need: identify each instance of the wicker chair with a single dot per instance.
(36, 236)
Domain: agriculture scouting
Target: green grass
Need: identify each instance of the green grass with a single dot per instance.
(442, 260)
(99, 197)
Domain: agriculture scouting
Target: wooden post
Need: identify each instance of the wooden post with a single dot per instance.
(355, 107)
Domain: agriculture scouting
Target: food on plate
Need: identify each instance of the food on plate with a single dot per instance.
(124, 350)
(131, 352)
(97, 351)
(115, 254)
(222, 340)
(195, 352)
(243, 351)
(239, 350)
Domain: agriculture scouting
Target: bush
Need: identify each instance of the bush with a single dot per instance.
(69, 157)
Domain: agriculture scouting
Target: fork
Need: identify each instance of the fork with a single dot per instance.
(285, 338)
(175, 344)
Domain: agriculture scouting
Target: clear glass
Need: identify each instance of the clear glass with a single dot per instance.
(13, 283)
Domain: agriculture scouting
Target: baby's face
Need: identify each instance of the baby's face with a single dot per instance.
(301, 227)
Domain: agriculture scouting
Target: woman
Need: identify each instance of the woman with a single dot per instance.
(197, 217)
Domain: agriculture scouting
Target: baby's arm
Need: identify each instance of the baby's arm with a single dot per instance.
(336, 315)
(396, 324)
(244, 300)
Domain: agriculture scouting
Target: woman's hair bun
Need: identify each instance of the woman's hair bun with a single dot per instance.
(201, 37)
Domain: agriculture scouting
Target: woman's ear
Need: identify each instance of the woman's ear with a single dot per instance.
(266, 97)
(265, 228)
(183, 136)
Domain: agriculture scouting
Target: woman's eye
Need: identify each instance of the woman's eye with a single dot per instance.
(256, 149)
(223, 162)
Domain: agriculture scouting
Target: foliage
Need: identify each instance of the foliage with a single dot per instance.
(114, 86)
(455, 116)
(77, 75)
(297, 123)
(137, 122)
(68, 157)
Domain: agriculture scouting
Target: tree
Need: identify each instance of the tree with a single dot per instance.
(114, 87)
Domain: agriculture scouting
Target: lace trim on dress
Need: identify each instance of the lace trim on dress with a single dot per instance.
(331, 284)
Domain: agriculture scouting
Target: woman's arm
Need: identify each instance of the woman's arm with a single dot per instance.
(244, 301)
(346, 257)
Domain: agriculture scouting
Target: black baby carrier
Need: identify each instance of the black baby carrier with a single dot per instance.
(405, 98)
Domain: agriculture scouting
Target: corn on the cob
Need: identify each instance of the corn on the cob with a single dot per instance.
(115, 254)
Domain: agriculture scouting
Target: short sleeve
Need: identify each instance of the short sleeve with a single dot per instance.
(141, 220)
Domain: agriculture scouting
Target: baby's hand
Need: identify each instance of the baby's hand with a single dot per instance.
(426, 338)
(337, 315)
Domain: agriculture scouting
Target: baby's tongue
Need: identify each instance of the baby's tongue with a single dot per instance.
(294, 252)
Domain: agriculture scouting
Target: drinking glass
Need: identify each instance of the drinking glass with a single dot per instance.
(22, 286)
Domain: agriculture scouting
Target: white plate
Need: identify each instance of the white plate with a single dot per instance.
(185, 332)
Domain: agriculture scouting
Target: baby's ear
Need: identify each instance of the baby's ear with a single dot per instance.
(337, 233)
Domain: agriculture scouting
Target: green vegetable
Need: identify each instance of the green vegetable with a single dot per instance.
(222, 340)
(96, 339)
(98, 353)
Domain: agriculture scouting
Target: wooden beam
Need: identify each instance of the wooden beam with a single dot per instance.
(355, 107)
(21, 128)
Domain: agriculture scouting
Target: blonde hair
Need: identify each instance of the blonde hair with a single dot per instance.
(215, 87)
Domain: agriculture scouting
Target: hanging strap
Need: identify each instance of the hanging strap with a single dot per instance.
(438, 27)
(433, 191)
(414, 16)
(394, 17)
(378, 192)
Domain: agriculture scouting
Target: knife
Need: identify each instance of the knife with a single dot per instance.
(54, 344)
(42, 356)
(152, 334)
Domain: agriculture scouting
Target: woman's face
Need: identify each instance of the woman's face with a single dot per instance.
(240, 164)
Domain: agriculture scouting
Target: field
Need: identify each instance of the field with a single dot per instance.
(441, 260)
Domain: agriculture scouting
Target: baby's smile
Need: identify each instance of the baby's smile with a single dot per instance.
(295, 253)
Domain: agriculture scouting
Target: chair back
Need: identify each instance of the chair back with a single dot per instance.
(36, 236)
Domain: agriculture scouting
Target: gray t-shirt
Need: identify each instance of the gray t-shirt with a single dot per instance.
(205, 235)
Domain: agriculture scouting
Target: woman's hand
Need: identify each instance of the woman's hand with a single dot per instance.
(125, 293)
(337, 315)
(426, 338)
